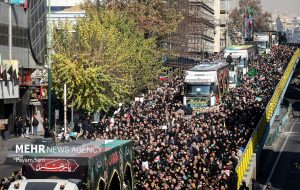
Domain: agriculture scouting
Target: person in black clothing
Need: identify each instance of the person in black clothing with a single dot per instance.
(16, 126)
(229, 58)
(22, 127)
(46, 128)
(244, 186)
(19, 127)
(269, 186)
(27, 125)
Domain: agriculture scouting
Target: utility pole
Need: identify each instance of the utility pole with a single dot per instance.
(65, 108)
(72, 115)
(49, 63)
(9, 30)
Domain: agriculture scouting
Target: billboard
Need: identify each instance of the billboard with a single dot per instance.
(16, 2)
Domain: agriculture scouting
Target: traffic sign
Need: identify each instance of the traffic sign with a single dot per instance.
(56, 114)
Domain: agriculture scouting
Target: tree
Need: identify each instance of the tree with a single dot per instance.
(156, 18)
(103, 60)
(261, 19)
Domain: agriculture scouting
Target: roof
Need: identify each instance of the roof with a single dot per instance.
(239, 47)
(45, 184)
(209, 67)
(73, 9)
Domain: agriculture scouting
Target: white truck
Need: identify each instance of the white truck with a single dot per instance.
(241, 56)
(246, 52)
(263, 42)
(205, 84)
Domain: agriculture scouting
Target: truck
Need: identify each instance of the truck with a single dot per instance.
(263, 42)
(204, 84)
(242, 52)
(90, 164)
(241, 56)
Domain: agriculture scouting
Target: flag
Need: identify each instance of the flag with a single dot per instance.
(10, 72)
(252, 73)
(4, 77)
(156, 159)
(250, 24)
(246, 13)
(16, 78)
(258, 98)
(250, 11)
(0, 67)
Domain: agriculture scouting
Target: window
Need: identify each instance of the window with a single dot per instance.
(19, 37)
(4, 40)
(4, 34)
(194, 90)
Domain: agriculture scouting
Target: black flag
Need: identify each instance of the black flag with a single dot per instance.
(4, 77)
(16, 78)
(11, 73)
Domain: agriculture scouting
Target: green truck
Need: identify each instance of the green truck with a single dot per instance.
(94, 165)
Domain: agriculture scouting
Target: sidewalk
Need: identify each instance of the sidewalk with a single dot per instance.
(6, 145)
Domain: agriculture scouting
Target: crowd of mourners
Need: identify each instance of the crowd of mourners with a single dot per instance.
(178, 149)
(5, 182)
(175, 148)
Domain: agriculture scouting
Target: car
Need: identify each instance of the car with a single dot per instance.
(44, 184)
(48, 142)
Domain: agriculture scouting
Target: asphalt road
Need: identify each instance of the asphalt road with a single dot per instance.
(282, 166)
(7, 170)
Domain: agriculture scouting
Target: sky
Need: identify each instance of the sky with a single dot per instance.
(292, 7)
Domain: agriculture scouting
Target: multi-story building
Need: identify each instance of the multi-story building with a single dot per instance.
(66, 10)
(222, 12)
(202, 34)
(194, 38)
(22, 50)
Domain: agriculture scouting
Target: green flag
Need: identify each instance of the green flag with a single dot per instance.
(252, 73)
(250, 11)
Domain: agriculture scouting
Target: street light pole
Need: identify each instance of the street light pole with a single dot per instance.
(65, 108)
(49, 63)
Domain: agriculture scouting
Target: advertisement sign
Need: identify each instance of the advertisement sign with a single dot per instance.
(16, 2)
(198, 102)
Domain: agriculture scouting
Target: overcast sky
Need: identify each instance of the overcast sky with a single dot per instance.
(292, 7)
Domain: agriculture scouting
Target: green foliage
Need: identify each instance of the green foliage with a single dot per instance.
(103, 60)
(156, 18)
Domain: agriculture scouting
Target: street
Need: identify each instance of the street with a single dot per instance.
(282, 168)
(7, 170)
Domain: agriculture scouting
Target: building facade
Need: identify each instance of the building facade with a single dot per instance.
(22, 51)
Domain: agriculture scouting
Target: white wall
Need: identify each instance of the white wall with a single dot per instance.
(9, 91)
(66, 3)
(70, 16)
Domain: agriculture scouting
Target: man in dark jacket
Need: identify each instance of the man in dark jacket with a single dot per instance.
(255, 185)
(46, 128)
(35, 124)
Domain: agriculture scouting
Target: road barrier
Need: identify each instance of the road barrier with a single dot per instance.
(260, 133)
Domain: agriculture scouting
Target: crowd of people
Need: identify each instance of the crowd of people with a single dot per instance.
(5, 182)
(177, 149)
